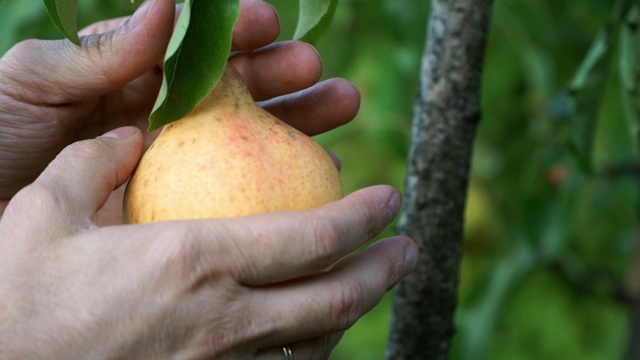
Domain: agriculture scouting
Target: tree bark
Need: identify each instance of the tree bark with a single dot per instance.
(447, 112)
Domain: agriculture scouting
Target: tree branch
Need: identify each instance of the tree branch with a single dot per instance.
(444, 128)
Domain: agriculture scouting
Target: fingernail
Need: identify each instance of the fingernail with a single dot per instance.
(336, 160)
(411, 256)
(275, 12)
(140, 13)
(122, 133)
(393, 206)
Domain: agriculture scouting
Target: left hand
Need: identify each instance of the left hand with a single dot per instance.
(54, 93)
(236, 288)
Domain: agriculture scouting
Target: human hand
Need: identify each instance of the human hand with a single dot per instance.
(53, 93)
(237, 288)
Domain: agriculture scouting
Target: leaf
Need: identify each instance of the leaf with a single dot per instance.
(478, 321)
(63, 14)
(555, 229)
(195, 58)
(630, 68)
(13, 18)
(587, 91)
(314, 19)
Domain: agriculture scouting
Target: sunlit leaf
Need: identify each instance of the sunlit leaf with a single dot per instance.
(63, 14)
(196, 57)
(314, 19)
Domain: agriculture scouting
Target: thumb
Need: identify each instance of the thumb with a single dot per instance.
(65, 72)
(85, 173)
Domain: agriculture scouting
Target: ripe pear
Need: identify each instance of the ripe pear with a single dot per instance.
(229, 157)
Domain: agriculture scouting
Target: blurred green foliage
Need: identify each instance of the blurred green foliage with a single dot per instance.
(551, 222)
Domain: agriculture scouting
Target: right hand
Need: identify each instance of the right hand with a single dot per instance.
(237, 288)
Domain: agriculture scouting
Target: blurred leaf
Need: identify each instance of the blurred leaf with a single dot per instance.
(314, 19)
(477, 321)
(549, 319)
(63, 14)
(196, 57)
(630, 66)
(12, 16)
(587, 90)
(559, 215)
(597, 53)
(621, 8)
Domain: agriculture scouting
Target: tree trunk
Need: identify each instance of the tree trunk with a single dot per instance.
(446, 116)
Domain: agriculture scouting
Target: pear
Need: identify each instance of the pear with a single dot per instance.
(229, 157)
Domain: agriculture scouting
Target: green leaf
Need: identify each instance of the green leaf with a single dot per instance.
(13, 18)
(314, 19)
(558, 223)
(587, 91)
(478, 321)
(63, 14)
(630, 69)
(195, 58)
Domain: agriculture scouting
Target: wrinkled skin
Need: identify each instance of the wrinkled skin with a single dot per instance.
(54, 93)
(74, 287)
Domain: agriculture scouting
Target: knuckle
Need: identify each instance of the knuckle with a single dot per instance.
(326, 239)
(375, 219)
(24, 47)
(91, 151)
(347, 306)
(99, 48)
(395, 271)
(43, 199)
(38, 197)
(174, 253)
(16, 61)
(391, 265)
(179, 251)
(88, 149)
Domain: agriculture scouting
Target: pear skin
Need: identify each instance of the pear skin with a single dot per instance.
(229, 157)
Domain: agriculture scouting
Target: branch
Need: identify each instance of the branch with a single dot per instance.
(444, 128)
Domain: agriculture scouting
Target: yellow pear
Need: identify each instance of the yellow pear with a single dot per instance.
(229, 157)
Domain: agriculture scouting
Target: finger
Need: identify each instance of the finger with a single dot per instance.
(84, 174)
(335, 300)
(318, 109)
(336, 160)
(104, 26)
(272, 247)
(279, 69)
(66, 73)
(315, 349)
(257, 25)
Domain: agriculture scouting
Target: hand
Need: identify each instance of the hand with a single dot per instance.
(236, 288)
(53, 93)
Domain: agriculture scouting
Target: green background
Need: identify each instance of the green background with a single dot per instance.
(548, 243)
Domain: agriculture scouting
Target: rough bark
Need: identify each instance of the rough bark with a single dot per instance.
(446, 116)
